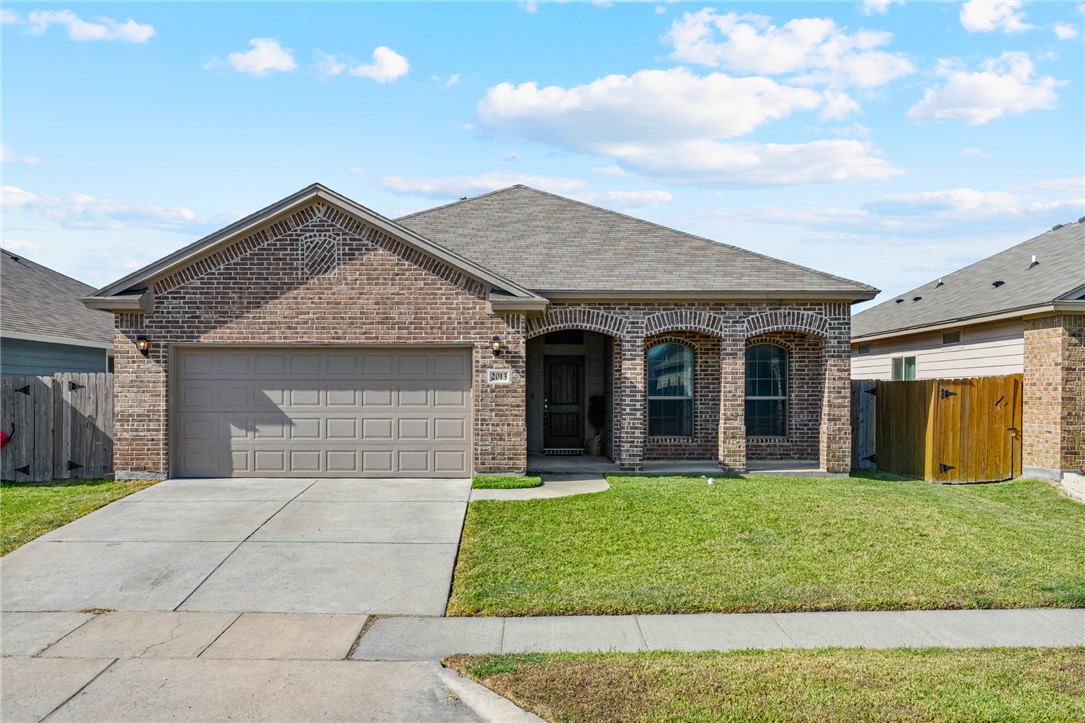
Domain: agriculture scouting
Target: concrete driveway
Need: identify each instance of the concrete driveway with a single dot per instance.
(251, 545)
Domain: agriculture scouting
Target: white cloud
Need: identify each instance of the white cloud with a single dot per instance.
(266, 56)
(7, 155)
(611, 171)
(988, 16)
(626, 200)
(80, 211)
(530, 6)
(460, 186)
(755, 165)
(328, 65)
(387, 65)
(510, 156)
(660, 10)
(812, 50)
(1003, 86)
(452, 80)
(1064, 31)
(355, 169)
(974, 152)
(101, 28)
(878, 7)
(21, 245)
(650, 105)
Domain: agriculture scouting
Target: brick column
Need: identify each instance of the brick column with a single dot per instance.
(835, 434)
(140, 429)
(1053, 407)
(732, 422)
(632, 401)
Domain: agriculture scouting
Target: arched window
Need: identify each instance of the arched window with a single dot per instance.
(670, 391)
(766, 391)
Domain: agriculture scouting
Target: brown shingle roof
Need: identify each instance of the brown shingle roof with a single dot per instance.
(37, 300)
(970, 292)
(549, 243)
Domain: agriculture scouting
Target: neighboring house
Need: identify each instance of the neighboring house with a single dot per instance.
(1019, 311)
(44, 328)
(318, 338)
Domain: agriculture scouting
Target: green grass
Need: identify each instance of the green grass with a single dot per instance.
(678, 545)
(504, 482)
(30, 509)
(990, 684)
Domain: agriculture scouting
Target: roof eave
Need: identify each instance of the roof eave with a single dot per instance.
(1051, 307)
(842, 295)
(141, 303)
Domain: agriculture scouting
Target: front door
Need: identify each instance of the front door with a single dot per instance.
(563, 404)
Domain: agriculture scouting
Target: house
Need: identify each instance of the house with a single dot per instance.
(318, 338)
(44, 328)
(1021, 311)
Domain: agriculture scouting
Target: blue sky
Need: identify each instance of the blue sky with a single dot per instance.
(889, 142)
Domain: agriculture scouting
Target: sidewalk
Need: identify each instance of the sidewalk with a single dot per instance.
(416, 638)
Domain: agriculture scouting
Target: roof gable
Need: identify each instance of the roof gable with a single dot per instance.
(209, 245)
(556, 245)
(1059, 273)
(39, 302)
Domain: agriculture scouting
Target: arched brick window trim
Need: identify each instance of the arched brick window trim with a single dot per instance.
(577, 317)
(804, 322)
(685, 320)
(770, 339)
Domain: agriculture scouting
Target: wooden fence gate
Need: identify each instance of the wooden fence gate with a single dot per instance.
(944, 430)
(61, 427)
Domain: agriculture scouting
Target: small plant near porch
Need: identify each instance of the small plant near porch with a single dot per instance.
(764, 544)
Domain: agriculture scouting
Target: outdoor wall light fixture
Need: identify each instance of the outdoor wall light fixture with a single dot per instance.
(143, 344)
(497, 345)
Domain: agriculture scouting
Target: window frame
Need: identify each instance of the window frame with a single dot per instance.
(785, 398)
(950, 342)
(863, 350)
(900, 368)
(692, 391)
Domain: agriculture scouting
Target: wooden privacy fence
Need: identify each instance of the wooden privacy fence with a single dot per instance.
(63, 427)
(944, 430)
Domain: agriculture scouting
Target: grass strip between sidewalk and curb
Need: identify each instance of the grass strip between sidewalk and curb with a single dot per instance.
(772, 544)
(505, 482)
(937, 684)
(30, 509)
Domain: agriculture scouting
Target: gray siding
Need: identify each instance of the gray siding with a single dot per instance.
(19, 357)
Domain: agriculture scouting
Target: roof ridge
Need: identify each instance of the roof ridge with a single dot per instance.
(465, 199)
(19, 259)
(702, 239)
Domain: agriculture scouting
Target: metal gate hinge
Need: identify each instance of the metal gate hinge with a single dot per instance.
(946, 394)
(72, 386)
(23, 390)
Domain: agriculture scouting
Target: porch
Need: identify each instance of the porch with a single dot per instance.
(584, 464)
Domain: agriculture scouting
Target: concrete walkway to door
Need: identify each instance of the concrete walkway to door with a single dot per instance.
(251, 545)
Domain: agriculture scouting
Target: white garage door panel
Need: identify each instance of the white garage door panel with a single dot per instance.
(303, 413)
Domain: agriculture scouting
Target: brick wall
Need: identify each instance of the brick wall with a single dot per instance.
(317, 277)
(1053, 410)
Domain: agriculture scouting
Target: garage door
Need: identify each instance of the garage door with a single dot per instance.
(322, 413)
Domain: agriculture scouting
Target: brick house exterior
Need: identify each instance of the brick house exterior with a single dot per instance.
(1021, 311)
(317, 277)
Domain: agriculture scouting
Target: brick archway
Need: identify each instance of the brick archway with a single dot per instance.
(577, 317)
(804, 322)
(685, 320)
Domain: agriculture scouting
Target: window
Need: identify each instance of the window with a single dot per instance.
(670, 391)
(951, 337)
(904, 369)
(864, 349)
(766, 391)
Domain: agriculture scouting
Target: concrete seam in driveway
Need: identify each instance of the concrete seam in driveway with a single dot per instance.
(238, 546)
(204, 650)
(81, 689)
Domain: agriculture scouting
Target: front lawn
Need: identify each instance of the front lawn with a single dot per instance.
(1018, 684)
(504, 482)
(30, 509)
(679, 545)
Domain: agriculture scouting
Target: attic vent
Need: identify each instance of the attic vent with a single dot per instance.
(996, 284)
(1034, 261)
(940, 283)
(1057, 226)
(899, 301)
(916, 298)
(1081, 220)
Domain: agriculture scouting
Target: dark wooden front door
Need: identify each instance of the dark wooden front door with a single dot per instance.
(563, 405)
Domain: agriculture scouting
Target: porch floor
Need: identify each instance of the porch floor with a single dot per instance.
(577, 464)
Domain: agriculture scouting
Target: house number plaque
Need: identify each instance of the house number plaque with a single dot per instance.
(498, 376)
